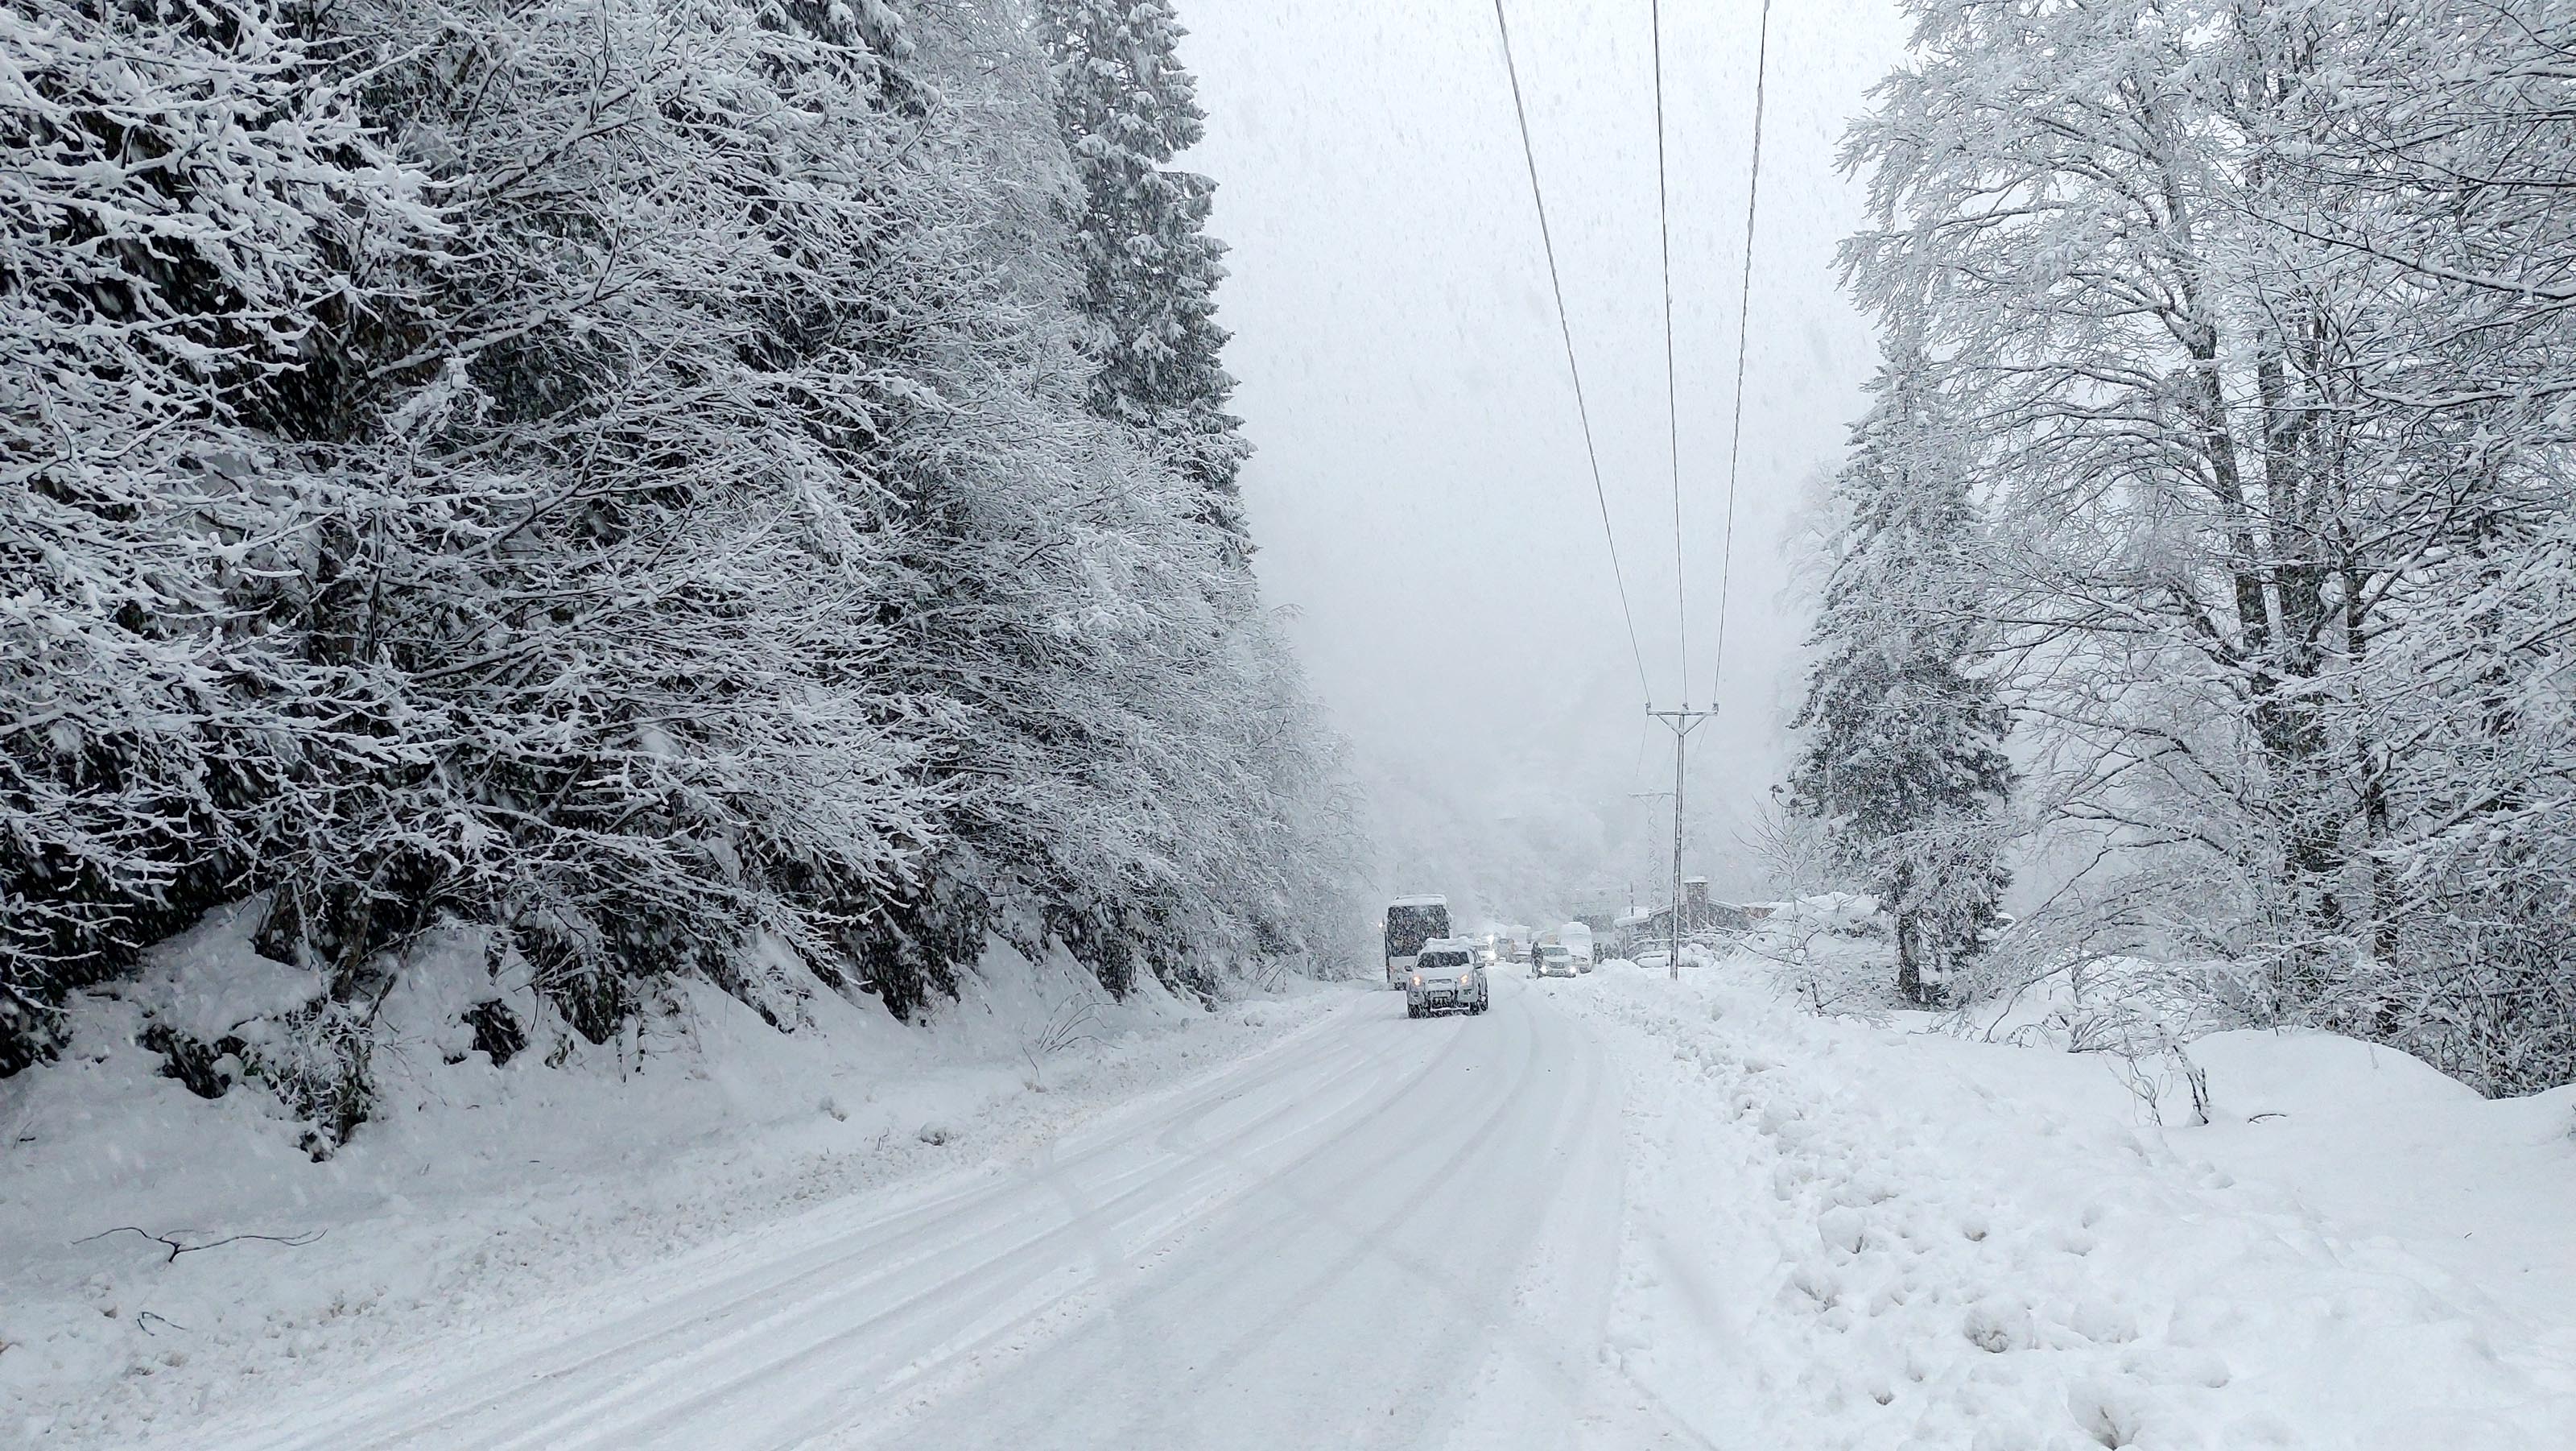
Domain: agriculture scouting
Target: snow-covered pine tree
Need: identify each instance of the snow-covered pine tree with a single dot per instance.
(1903, 766)
(1148, 269)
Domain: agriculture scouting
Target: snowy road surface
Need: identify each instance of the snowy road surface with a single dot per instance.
(1336, 1242)
(1615, 1212)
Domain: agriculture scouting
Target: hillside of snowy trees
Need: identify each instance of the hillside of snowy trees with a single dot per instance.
(733, 490)
(2210, 547)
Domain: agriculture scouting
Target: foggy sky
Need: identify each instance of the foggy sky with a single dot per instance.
(1420, 495)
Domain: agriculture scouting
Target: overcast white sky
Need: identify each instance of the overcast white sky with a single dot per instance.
(1420, 495)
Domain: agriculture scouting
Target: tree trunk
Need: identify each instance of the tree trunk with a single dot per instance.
(1909, 968)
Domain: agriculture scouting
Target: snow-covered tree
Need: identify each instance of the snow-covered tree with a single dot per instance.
(2438, 171)
(620, 474)
(2260, 313)
(1903, 763)
(1148, 270)
(616, 506)
(2044, 185)
(182, 184)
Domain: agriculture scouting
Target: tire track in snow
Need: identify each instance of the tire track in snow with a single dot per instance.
(1350, 1302)
(495, 1400)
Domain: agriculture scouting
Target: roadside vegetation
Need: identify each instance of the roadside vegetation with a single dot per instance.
(666, 491)
(2224, 446)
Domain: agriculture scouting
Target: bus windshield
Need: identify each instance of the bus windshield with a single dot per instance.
(1409, 925)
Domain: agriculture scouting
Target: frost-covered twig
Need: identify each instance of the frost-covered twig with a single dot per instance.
(178, 1246)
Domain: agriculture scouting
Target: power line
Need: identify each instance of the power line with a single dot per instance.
(1591, 455)
(1743, 328)
(1672, 409)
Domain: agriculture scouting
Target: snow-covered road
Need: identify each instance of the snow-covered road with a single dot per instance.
(1341, 1240)
(1615, 1212)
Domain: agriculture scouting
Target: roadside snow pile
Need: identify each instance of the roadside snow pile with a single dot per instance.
(156, 1245)
(1844, 1235)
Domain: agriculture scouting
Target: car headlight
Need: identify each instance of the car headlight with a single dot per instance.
(1417, 979)
(1464, 977)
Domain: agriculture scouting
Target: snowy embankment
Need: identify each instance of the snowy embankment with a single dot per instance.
(479, 1192)
(1848, 1235)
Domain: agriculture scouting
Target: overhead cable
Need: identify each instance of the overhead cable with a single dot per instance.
(1672, 409)
(1743, 330)
(1547, 241)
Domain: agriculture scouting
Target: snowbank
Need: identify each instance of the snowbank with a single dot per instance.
(206, 983)
(156, 1244)
(2376, 1143)
(1848, 1235)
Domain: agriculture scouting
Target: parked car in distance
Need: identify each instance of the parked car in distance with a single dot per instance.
(1577, 938)
(1446, 978)
(1554, 959)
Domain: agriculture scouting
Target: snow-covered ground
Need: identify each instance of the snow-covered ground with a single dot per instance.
(1850, 1235)
(1615, 1212)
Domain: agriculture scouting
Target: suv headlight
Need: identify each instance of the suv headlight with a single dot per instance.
(1466, 977)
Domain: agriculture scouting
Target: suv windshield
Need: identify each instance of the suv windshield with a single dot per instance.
(1431, 960)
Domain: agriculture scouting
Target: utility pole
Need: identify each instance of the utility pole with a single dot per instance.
(1681, 723)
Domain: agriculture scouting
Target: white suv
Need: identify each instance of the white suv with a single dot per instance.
(1446, 978)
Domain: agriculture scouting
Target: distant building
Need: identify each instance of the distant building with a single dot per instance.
(1642, 930)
